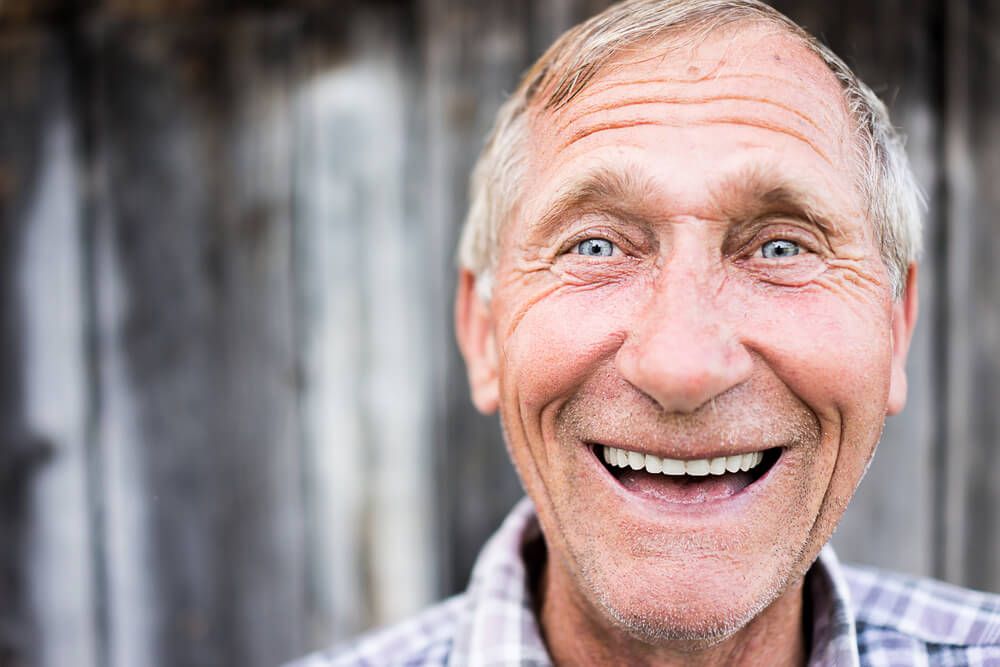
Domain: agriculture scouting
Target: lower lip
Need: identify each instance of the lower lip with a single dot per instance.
(659, 506)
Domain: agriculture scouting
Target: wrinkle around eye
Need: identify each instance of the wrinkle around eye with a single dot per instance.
(518, 316)
(526, 267)
(566, 278)
(794, 271)
(852, 270)
(853, 284)
(589, 277)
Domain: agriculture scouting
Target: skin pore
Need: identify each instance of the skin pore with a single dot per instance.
(690, 274)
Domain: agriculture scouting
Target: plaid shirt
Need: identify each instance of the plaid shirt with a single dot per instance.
(860, 617)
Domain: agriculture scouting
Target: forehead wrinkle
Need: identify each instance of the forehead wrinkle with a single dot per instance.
(584, 132)
(587, 131)
(772, 127)
(798, 77)
(687, 100)
(835, 111)
(608, 84)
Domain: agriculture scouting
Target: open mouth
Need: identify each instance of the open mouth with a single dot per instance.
(687, 480)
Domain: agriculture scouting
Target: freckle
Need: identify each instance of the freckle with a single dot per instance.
(777, 58)
(693, 70)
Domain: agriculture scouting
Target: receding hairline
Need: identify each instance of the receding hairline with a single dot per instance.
(580, 66)
(602, 183)
(545, 102)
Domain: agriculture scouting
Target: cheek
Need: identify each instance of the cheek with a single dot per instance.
(833, 353)
(562, 338)
(835, 356)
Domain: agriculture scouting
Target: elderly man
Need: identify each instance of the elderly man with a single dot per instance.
(688, 285)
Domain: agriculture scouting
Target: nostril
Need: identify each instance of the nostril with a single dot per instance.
(684, 372)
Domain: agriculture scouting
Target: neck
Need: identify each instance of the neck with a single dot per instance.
(578, 634)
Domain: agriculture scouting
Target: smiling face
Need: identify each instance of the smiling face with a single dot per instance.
(689, 287)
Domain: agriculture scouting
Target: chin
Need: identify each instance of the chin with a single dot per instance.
(701, 611)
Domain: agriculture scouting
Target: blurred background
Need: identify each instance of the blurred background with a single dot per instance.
(234, 425)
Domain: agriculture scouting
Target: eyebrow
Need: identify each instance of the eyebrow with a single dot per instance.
(623, 193)
(750, 194)
(757, 192)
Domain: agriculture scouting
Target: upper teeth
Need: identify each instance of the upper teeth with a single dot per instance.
(697, 467)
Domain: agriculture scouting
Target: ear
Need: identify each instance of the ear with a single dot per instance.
(904, 317)
(474, 330)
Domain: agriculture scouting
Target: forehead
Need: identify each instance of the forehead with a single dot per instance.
(697, 112)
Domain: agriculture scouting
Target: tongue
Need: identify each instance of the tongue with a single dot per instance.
(684, 488)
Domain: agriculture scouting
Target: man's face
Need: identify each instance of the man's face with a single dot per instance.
(690, 275)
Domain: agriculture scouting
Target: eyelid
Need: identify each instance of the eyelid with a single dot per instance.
(775, 229)
(611, 236)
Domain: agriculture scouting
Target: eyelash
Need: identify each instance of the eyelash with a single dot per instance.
(806, 243)
(615, 239)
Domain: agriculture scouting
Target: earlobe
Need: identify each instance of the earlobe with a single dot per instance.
(904, 318)
(474, 330)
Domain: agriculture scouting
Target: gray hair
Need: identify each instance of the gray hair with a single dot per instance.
(894, 199)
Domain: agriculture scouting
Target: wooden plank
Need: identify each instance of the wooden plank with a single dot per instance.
(50, 300)
(363, 326)
(329, 316)
(889, 46)
(971, 527)
(23, 94)
(195, 334)
(26, 12)
(48, 600)
(474, 54)
(398, 403)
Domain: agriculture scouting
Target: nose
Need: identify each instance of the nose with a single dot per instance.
(683, 349)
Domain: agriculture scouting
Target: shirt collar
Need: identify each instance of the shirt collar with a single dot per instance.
(502, 628)
(834, 635)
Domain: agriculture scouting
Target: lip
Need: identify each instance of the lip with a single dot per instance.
(656, 510)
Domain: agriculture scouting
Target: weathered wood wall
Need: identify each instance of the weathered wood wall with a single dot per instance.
(234, 424)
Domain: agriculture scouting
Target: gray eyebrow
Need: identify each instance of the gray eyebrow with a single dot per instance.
(626, 192)
(750, 194)
(758, 191)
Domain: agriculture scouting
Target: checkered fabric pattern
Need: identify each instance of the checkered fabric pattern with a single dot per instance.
(861, 617)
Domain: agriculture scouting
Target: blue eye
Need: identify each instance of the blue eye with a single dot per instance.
(596, 248)
(779, 248)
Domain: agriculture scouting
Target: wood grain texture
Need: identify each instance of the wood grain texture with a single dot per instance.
(197, 363)
(474, 53)
(50, 307)
(971, 522)
(330, 333)
(363, 322)
(23, 93)
(61, 12)
(397, 395)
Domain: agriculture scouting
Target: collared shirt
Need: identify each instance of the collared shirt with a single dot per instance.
(860, 616)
